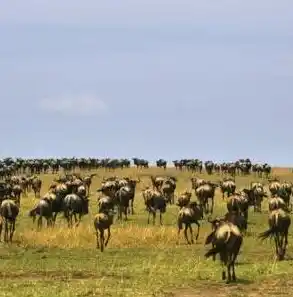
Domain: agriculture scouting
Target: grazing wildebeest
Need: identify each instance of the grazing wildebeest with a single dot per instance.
(43, 209)
(9, 211)
(188, 215)
(74, 205)
(279, 223)
(103, 221)
(227, 240)
(154, 200)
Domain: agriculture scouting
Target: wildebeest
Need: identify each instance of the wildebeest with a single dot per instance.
(197, 182)
(188, 215)
(239, 203)
(285, 192)
(87, 180)
(43, 209)
(9, 211)
(279, 223)
(228, 186)
(184, 199)
(154, 200)
(204, 193)
(274, 187)
(16, 192)
(227, 240)
(74, 205)
(36, 184)
(103, 221)
(255, 196)
(277, 203)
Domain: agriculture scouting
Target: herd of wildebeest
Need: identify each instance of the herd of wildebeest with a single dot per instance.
(69, 194)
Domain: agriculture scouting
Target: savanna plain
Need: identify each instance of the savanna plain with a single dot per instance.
(140, 259)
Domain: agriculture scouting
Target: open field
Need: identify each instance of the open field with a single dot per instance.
(140, 260)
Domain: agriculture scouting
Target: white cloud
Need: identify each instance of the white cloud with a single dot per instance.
(80, 105)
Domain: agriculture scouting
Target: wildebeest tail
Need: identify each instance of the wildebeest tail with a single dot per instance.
(269, 233)
(9, 209)
(214, 251)
(32, 213)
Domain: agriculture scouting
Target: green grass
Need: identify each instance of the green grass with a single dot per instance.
(140, 260)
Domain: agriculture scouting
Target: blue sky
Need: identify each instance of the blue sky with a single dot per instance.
(170, 79)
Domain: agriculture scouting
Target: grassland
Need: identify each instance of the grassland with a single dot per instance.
(140, 260)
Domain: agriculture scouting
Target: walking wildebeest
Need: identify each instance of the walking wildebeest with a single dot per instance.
(279, 223)
(103, 221)
(74, 205)
(188, 215)
(9, 211)
(227, 240)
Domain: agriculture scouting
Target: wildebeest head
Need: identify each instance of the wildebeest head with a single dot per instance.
(216, 223)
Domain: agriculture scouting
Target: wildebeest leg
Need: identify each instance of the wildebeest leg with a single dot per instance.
(12, 229)
(233, 269)
(161, 217)
(1, 226)
(185, 233)
(191, 233)
(132, 205)
(212, 207)
(198, 228)
(149, 214)
(178, 233)
(277, 245)
(97, 239)
(125, 213)
(223, 258)
(6, 231)
(229, 267)
(40, 222)
(108, 237)
(77, 220)
(154, 217)
(102, 239)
